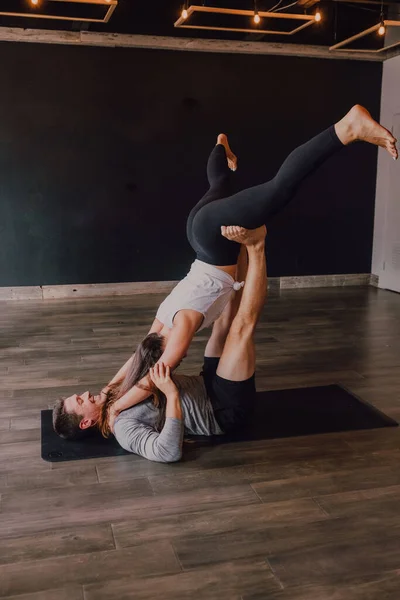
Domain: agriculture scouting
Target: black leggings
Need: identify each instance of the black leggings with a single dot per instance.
(254, 206)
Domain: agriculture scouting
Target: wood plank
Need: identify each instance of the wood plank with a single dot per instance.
(386, 587)
(376, 500)
(74, 592)
(331, 563)
(227, 580)
(251, 518)
(296, 475)
(36, 575)
(59, 542)
(288, 543)
(68, 507)
(91, 38)
(22, 435)
(71, 499)
(71, 475)
(19, 450)
(327, 483)
(32, 422)
(234, 463)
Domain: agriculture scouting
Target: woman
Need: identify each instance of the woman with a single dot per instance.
(198, 300)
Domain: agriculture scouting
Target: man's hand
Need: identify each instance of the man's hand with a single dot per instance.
(104, 392)
(112, 415)
(160, 375)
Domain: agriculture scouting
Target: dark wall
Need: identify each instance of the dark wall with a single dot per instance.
(103, 153)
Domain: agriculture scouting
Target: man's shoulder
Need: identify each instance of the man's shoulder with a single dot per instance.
(134, 414)
(127, 416)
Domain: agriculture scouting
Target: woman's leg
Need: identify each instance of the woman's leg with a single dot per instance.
(218, 175)
(255, 206)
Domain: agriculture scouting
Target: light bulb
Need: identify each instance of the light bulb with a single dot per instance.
(256, 18)
(184, 14)
(318, 16)
(35, 2)
(382, 29)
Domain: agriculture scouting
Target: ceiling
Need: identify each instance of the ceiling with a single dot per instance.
(340, 20)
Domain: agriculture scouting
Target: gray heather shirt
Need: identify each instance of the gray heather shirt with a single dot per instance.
(135, 428)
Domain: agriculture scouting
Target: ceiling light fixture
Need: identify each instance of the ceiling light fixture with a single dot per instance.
(184, 13)
(382, 28)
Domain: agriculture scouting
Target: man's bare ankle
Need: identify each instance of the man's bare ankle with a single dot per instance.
(256, 247)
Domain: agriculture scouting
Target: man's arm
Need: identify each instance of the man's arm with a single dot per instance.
(145, 441)
(165, 446)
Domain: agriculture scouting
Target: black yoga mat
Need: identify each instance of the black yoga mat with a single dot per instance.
(278, 414)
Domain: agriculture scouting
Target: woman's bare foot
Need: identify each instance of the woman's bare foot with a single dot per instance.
(248, 237)
(232, 159)
(358, 125)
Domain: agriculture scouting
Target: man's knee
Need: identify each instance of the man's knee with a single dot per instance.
(242, 327)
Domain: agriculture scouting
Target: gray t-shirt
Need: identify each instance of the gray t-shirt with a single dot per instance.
(135, 428)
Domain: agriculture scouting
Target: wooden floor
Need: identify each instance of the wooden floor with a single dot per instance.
(312, 518)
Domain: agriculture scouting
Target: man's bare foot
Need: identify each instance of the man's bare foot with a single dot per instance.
(232, 159)
(358, 125)
(248, 237)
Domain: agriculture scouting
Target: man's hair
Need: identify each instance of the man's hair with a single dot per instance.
(148, 352)
(66, 424)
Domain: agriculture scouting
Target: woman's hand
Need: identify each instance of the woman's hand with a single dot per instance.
(160, 375)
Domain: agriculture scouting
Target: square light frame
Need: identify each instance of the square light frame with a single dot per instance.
(308, 20)
(339, 47)
(112, 5)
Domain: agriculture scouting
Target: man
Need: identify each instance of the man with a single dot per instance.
(216, 402)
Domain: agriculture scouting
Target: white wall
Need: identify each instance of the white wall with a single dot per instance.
(390, 105)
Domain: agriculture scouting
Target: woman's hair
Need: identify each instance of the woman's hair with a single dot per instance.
(147, 354)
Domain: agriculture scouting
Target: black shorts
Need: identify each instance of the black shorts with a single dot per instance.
(232, 401)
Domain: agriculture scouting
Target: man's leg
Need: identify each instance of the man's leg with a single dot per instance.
(238, 359)
(257, 205)
(222, 325)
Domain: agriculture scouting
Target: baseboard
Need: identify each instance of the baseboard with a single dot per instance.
(374, 280)
(93, 290)
(318, 281)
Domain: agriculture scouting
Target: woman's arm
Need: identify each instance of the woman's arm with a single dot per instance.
(185, 326)
(156, 327)
(120, 376)
(186, 323)
(133, 396)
